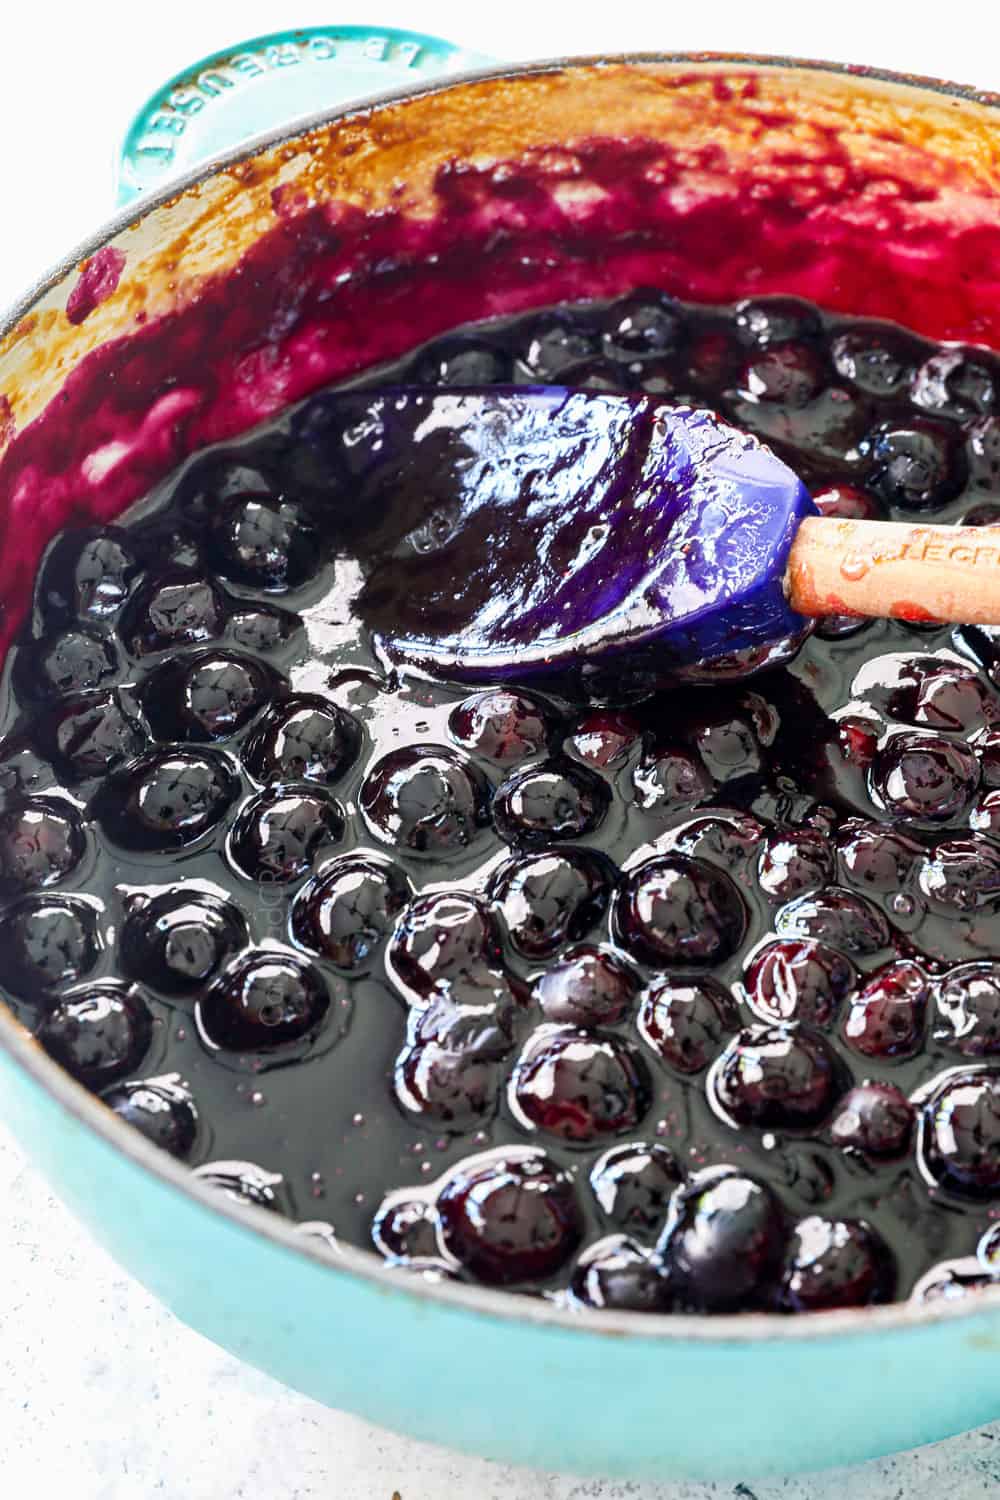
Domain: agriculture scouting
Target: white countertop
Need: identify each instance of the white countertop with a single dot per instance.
(103, 1395)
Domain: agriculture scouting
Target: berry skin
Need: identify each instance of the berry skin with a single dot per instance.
(205, 697)
(440, 941)
(86, 576)
(602, 740)
(263, 543)
(509, 1217)
(878, 361)
(406, 1230)
(465, 362)
(346, 914)
(645, 325)
(263, 630)
(670, 779)
(556, 342)
(633, 1184)
(835, 1263)
(550, 898)
(876, 858)
(303, 738)
(798, 981)
(166, 798)
(447, 1075)
(172, 610)
(90, 734)
(550, 803)
(579, 1085)
(793, 862)
(923, 779)
(724, 1242)
(425, 799)
(263, 1003)
(686, 1022)
(502, 726)
(961, 875)
(245, 1183)
(775, 1077)
(278, 835)
(615, 1273)
(918, 467)
(178, 940)
(968, 1005)
(888, 1016)
(98, 1032)
(41, 842)
(47, 941)
(875, 1118)
(788, 374)
(678, 910)
(160, 1109)
(588, 986)
(961, 1142)
(763, 321)
(78, 661)
(837, 918)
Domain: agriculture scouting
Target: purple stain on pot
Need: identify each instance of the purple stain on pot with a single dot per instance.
(98, 281)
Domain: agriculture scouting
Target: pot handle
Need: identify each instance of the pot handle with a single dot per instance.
(240, 92)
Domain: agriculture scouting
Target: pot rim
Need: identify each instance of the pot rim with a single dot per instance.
(509, 1307)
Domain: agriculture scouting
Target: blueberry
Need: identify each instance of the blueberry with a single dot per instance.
(47, 941)
(263, 542)
(775, 1077)
(263, 630)
(798, 981)
(425, 799)
(215, 478)
(875, 1118)
(876, 858)
(838, 918)
(765, 321)
(551, 898)
(726, 839)
(686, 1021)
(510, 1217)
(464, 362)
(924, 778)
(90, 734)
(633, 1184)
(346, 914)
(835, 1263)
(587, 986)
(178, 940)
(501, 725)
(174, 609)
(602, 739)
(278, 835)
(550, 803)
(615, 1273)
(99, 1032)
(877, 359)
(161, 1109)
(244, 1182)
(406, 1229)
(303, 738)
(41, 842)
(86, 576)
(208, 696)
(557, 340)
(961, 875)
(76, 661)
(441, 940)
(265, 1002)
(166, 798)
(724, 1242)
(968, 1004)
(786, 374)
(957, 383)
(792, 862)
(961, 1140)
(579, 1085)
(645, 325)
(915, 467)
(888, 1017)
(668, 779)
(679, 910)
(447, 1074)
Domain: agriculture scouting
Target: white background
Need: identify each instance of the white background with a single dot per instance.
(102, 1395)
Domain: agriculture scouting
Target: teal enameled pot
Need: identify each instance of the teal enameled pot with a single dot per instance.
(448, 199)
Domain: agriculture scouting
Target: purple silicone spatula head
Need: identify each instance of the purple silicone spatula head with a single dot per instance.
(507, 533)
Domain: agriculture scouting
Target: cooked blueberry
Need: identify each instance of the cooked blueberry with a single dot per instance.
(550, 803)
(961, 1142)
(161, 1109)
(75, 662)
(579, 1085)
(726, 839)
(501, 725)
(205, 697)
(879, 360)
(953, 1280)
(557, 341)
(958, 383)
(961, 875)
(798, 981)
(793, 862)
(303, 738)
(776, 1077)
(587, 986)
(602, 739)
(667, 779)
(510, 1217)
(264, 629)
(633, 1184)
(464, 362)
(99, 1032)
(278, 835)
(724, 1241)
(406, 1229)
(678, 910)
(441, 939)
(447, 1074)
(876, 858)
(791, 374)
(172, 610)
(595, 375)
(263, 1003)
(916, 467)
(47, 941)
(968, 1004)
(244, 1183)
(645, 325)
(90, 734)
(86, 576)
(178, 940)
(887, 1018)
(41, 842)
(614, 1273)
(263, 542)
(425, 799)
(686, 1021)
(217, 477)
(875, 1118)
(775, 320)
(166, 798)
(837, 918)
(835, 1263)
(346, 914)
(551, 898)
(924, 778)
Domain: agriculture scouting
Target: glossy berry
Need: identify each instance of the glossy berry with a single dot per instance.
(874, 1118)
(425, 799)
(47, 941)
(587, 986)
(924, 779)
(465, 362)
(243, 1182)
(961, 1141)
(549, 804)
(916, 467)
(793, 862)
(161, 1109)
(838, 918)
(724, 1242)
(262, 542)
(834, 1263)
(888, 1016)
(264, 629)
(303, 738)
(775, 1077)
(510, 1217)
(500, 725)
(765, 321)
(876, 858)
(447, 1075)
(729, 840)
(441, 939)
(177, 940)
(956, 383)
(633, 1184)
(205, 697)
(86, 576)
(615, 1273)
(551, 898)
(166, 798)
(879, 361)
(406, 1229)
(687, 1021)
(41, 842)
(789, 374)
(961, 875)
(953, 1281)
(968, 1006)
(262, 1003)
(679, 910)
(668, 779)
(175, 609)
(602, 739)
(557, 342)
(278, 835)
(77, 661)
(89, 734)
(798, 981)
(646, 325)
(346, 914)
(99, 1032)
(579, 1085)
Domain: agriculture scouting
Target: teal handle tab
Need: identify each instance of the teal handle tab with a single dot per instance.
(242, 91)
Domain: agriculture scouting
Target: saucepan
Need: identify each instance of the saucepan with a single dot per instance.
(301, 256)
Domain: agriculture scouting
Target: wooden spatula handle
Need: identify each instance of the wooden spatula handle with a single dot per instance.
(885, 568)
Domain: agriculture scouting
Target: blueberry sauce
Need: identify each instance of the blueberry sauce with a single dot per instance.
(627, 992)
